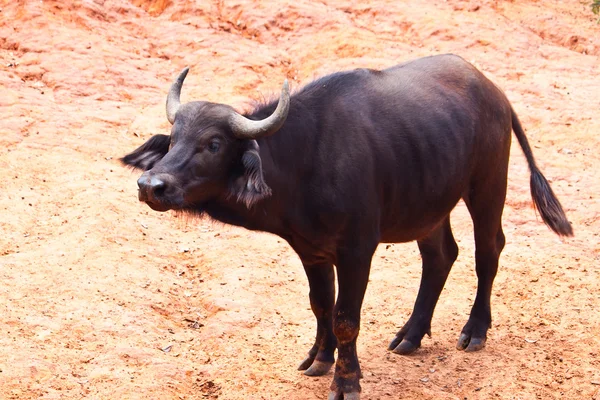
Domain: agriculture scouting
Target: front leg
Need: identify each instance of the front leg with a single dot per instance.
(353, 266)
(321, 280)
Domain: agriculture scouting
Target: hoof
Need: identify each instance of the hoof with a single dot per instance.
(318, 368)
(475, 344)
(306, 363)
(469, 344)
(394, 343)
(463, 341)
(402, 336)
(344, 396)
(405, 347)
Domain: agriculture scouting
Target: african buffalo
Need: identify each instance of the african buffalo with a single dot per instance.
(352, 160)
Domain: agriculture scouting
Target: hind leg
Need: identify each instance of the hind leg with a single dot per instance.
(438, 253)
(485, 203)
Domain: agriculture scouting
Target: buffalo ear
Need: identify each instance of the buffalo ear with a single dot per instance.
(253, 187)
(148, 154)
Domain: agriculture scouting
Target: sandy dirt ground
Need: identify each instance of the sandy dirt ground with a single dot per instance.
(102, 298)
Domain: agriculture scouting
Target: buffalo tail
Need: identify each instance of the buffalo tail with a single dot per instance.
(544, 199)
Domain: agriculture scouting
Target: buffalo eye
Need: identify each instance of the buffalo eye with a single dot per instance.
(213, 146)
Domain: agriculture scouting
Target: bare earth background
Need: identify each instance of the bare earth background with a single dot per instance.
(94, 285)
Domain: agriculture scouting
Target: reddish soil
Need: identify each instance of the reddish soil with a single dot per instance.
(102, 298)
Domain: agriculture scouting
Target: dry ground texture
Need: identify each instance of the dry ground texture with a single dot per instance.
(102, 298)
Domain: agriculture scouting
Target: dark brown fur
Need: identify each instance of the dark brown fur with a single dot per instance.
(363, 157)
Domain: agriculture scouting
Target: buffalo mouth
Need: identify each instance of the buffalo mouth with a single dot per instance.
(158, 206)
(173, 197)
(153, 202)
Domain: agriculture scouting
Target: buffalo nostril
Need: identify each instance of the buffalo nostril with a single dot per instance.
(150, 187)
(142, 182)
(157, 185)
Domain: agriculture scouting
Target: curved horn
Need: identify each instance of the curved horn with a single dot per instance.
(245, 128)
(173, 102)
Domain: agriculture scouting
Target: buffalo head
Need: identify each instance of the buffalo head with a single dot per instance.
(211, 152)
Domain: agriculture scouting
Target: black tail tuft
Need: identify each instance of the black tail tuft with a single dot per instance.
(548, 205)
(543, 197)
